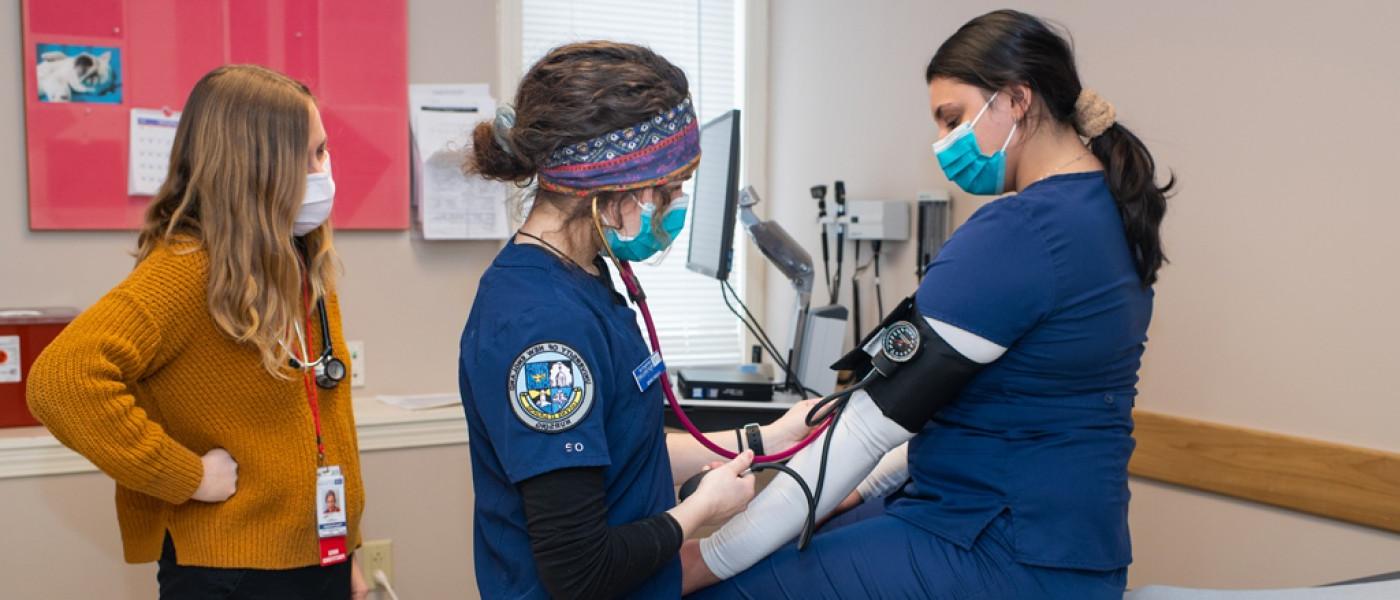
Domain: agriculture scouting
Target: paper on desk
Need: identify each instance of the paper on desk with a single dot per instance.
(148, 156)
(452, 204)
(421, 401)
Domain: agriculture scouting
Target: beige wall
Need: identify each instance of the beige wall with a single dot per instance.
(1278, 311)
(406, 298)
(1277, 116)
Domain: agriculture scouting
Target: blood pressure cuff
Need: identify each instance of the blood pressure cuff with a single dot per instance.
(915, 371)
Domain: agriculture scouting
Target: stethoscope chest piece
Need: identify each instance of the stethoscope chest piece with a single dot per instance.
(330, 373)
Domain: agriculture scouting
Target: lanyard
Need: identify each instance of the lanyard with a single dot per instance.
(315, 404)
(307, 378)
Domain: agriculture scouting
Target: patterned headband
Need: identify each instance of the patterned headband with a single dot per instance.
(648, 154)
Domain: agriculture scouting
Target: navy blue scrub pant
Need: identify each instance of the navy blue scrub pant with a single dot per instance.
(885, 557)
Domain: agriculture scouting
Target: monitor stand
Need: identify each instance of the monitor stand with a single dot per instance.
(817, 333)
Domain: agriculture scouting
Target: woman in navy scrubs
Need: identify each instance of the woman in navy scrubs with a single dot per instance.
(573, 472)
(1018, 488)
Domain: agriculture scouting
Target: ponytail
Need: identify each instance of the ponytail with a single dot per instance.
(1131, 175)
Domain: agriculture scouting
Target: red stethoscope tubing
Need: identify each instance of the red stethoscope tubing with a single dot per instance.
(634, 289)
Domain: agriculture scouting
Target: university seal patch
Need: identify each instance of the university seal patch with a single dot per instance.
(551, 387)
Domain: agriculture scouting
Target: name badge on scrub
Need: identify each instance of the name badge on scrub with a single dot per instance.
(331, 511)
(649, 371)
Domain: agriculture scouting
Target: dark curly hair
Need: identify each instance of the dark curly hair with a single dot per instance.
(576, 92)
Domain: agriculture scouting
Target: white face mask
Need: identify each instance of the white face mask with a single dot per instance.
(317, 203)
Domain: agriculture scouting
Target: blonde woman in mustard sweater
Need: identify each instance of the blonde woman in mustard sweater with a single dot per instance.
(205, 384)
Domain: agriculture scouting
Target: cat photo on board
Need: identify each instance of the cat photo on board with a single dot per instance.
(78, 74)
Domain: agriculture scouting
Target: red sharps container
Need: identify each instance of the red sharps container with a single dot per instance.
(24, 332)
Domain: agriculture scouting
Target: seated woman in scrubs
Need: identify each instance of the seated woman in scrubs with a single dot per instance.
(572, 470)
(1017, 487)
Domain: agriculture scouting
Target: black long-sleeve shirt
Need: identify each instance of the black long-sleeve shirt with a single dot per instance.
(577, 554)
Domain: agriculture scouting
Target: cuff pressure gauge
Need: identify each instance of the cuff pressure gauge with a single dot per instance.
(900, 345)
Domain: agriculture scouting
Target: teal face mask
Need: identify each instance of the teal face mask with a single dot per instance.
(963, 162)
(645, 244)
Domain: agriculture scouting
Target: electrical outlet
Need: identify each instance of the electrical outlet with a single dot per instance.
(357, 363)
(376, 555)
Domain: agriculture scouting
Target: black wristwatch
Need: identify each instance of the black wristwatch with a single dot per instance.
(755, 437)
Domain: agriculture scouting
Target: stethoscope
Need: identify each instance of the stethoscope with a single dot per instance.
(329, 371)
(639, 298)
(824, 415)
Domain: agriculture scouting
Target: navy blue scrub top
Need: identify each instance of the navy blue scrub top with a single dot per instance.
(546, 380)
(1044, 432)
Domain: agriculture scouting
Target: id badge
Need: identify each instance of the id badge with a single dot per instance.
(649, 371)
(331, 528)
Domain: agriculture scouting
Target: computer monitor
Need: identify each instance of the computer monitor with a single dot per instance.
(715, 201)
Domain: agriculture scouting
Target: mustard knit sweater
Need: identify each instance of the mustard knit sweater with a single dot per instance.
(144, 382)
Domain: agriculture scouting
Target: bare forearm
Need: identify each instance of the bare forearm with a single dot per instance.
(695, 574)
(688, 456)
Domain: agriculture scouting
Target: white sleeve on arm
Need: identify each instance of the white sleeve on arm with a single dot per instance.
(776, 515)
(974, 347)
(860, 440)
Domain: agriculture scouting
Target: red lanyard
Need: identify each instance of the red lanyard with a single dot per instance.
(315, 418)
(309, 378)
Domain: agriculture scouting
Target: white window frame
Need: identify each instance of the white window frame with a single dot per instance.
(754, 149)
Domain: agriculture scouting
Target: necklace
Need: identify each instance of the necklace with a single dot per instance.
(552, 249)
(1067, 163)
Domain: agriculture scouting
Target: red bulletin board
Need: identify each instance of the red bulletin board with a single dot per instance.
(353, 54)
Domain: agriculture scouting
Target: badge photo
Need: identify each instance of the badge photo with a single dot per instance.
(551, 387)
(330, 502)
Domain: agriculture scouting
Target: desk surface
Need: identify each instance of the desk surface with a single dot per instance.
(717, 415)
(741, 405)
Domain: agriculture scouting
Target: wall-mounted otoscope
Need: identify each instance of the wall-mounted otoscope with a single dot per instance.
(840, 239)
(819, 194)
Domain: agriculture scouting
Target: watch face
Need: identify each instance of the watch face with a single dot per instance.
(901, 341)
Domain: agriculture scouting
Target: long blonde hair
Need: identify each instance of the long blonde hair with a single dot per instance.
(236, 179)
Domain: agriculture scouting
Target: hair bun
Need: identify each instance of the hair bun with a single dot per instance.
(493, 156)
(1093, 115)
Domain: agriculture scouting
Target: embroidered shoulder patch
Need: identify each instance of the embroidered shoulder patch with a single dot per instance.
(551, 388)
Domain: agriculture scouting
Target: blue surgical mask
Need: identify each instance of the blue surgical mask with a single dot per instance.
(963, 162)
(645, 243)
